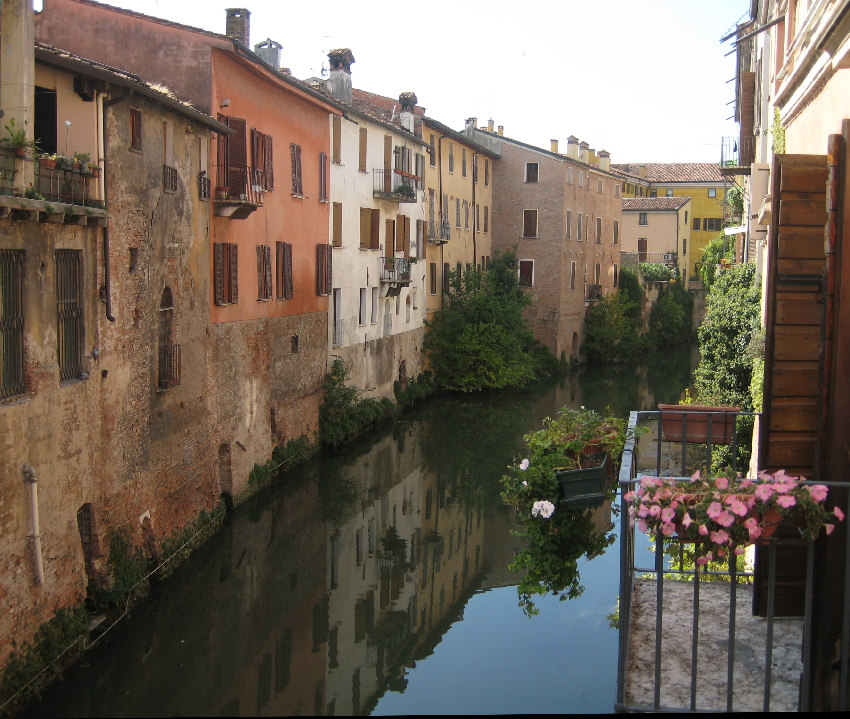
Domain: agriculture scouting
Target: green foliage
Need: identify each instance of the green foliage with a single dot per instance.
(610, 333)
(671, 317)
(480, 340)
(718, 248)
(657, 272)
(33, 194)
(416, 389)
(177, 548)
(630, 286)
(128, 569)
(343, 414)
(55, 645)
(778, 133)
(734, 200)
(725, 372)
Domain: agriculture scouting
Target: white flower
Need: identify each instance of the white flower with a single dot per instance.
(524, 464)
(543, 507)
(524, 483)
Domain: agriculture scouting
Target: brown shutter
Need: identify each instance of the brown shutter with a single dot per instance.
(365, 227)
(218, 273)
(362, 164)
(328, 269)
(406, 224)
(420, 239)
(336, 140)
(268, 160)
(287, 265)
(337, 224)
(388, 163)
(267, 255)
(323, 176)
(237, 157)
(320, 269)
(256, 149)
(389, 237)
(376, 230)
(261, 273)
(234, 273)
(279, 266)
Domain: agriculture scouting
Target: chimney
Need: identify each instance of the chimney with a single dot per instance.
(501, 129)
(407, 100)
(490, 125)
(269, 51)
(238, 26)
(18, 62)
(591, 157)
(554, 144)
(339, 77)
(572, 147)
(582, 151)
(604, 160)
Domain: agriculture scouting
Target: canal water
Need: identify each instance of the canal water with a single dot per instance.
(375, 581)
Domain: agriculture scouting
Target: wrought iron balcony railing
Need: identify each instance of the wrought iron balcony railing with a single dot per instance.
(395, 270)
(737, 154)
(394, 186)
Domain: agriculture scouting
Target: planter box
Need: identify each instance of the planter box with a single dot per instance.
(586, 487)
(673, 423)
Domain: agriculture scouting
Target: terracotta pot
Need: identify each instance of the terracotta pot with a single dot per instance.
(673, 423)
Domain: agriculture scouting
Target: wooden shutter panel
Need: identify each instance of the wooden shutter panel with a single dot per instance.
(406, 224)
(362, 163)
(389, 237)
(287, 266)
(365, 227)
(268, 160)
(323, 176)
(337, 224)
(337, 140)
(420, 239)
(234, 273)
(278, 254)
(376, 230)
(261, 273)
(237, 157)
(328, 269)
(323, 269)
(218, 273)
(267, 255)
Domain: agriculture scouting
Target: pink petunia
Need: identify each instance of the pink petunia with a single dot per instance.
(818, 492)
(751, 522)
(643, 510)
(695, 477)
(668, 514)
(746, 482)
(721, 482)
(786, 500)
(654, 510)
(739, 550)
(830, 528)
(630, 496)
(702, 560)
(726, 518)
(739, 508)
(668, 529)
(763, 492)
(838, 513)
(687, 521)
(703, 530)
(714, 510)
(642, 526)
(755, 533)
(720, 536)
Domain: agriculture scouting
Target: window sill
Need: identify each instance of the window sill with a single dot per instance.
(264, 299)
(297, 197)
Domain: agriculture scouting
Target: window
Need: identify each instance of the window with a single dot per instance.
(712, 192)
(578, 227)
(486, 172)
(370, 227)
(69, 313)
(684, 245)
(616, 232)
(11, 323)
(432, 152)
(433, 277)
(572, 275)
(295, 151)
(465, 215)
(169, 353)
(616, 276)
(337, 139)
(642, 219)
(374, 305)
(478, 218)
(232, 159)
(526, 273)
(570, 175)
(323, 177)
(696, 225)
(616, 190)
(529, 223)
(446, 276)
(599, 185)
(569, 224)
(712, 224)
(403, 234)
(451, 158)
(336, 224)
(653, 192)
(420, 239)
(225, 270)
(420, 171)
(597, 274)
(463, 162)
(598, 230)
(641, 249)
(581, 179)
(364, 306)
(262, 160)
(283, 278)
(264, 272)
(668, 192)
(135, 129)
(686, 217)
(362, 156)
(486, 218)
(390, 237)
(169, 172)
(532, 171)
(457, 212)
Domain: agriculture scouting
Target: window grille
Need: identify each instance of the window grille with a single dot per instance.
(11, 323)
(69, 326)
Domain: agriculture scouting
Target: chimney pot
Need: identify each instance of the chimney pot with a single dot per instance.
(238, 25)
(501, 129)
(269, 51)
(554, 144)
(490, 125)
(338, 83)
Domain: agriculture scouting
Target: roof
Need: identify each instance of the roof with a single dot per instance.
(65, 60)
(656, 204)
(458, 136)
(673, 171)
(379, 105)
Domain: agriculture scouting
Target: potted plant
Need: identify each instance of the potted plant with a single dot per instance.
(558, 530)
(48, 161)
(17, 139)
(723, 515)
(64, 163)
(692, 421)
(406, 192)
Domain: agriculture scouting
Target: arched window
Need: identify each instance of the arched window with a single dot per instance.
(169, 353)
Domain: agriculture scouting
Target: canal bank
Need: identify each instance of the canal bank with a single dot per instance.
(371, 573)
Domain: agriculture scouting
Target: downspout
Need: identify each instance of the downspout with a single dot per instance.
(474, 212)
(442, 209)
(31, 479)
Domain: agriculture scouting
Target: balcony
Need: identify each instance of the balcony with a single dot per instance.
(737, 154)
(699, 639)
(395, 271)
(592, 293)
(394, 185)
(238, 192)
(439, 229)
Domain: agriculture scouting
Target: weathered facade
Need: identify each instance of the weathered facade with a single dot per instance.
(657, 230)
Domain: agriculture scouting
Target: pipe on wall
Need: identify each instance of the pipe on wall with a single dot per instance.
(31, 479)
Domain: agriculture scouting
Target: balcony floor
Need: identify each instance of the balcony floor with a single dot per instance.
(750, 633)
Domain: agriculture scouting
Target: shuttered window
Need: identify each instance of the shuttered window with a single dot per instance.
(375, 238)
(420, 239)
(323, 177)
(337, 139)
(486, 218)
(433, 268)
(370, 225)
(447, 276)
(264, 272)
(362, 160)
(225, 271)
(135, 129)
(324, 259)
(295, 153)
(403, 235)
(232, 157)
(529, 223)
(526, 273)
(69, 312)
(11, 323)
(283, 288)
(262, 160)
(390, 237)
(337, 224)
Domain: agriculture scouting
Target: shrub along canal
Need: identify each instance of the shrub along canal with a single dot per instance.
(374, 580)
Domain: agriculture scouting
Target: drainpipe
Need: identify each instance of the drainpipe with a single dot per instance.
(442, 209)
(31, 479)
(474, 213)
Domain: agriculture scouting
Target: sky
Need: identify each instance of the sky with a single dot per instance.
(648, 82)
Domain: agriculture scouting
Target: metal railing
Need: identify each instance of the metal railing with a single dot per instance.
(170, 364)
(11, 323)
(669, 692)
(169, 178)
(390, 185)
(240, 184)
(439, 227)
(395, 269)
(737, 151)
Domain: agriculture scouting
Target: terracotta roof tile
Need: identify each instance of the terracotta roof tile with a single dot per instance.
(645, 204)
(674, 171)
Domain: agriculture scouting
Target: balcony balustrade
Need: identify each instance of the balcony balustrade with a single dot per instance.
(238, 192)
(737, 154)
(395, 270)
(394, 185)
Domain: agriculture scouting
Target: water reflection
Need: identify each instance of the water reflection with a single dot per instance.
(319, 595)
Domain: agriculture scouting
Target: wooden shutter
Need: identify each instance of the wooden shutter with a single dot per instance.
(218, 273)
(267, 257)
(375, 230)
(337, 224)
(420, 239)
(406, 225)
(388, 163)
(287, 275)
(295, 152)
(268, 161)
(234, 273)
(237, 157)
(323, 269)
(261, 273)
(279, 263)
(337, 139)
(323, 177)
(390, 237)
(362, 158)
(529, 225)
(365, 227)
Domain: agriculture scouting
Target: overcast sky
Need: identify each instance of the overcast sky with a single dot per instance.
(645, 81)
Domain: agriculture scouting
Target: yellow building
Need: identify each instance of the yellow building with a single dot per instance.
(458, 206)
(701, 181)
(658, 229)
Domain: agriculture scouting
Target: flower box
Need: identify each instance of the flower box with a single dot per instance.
(586, 487)
(690, 421)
